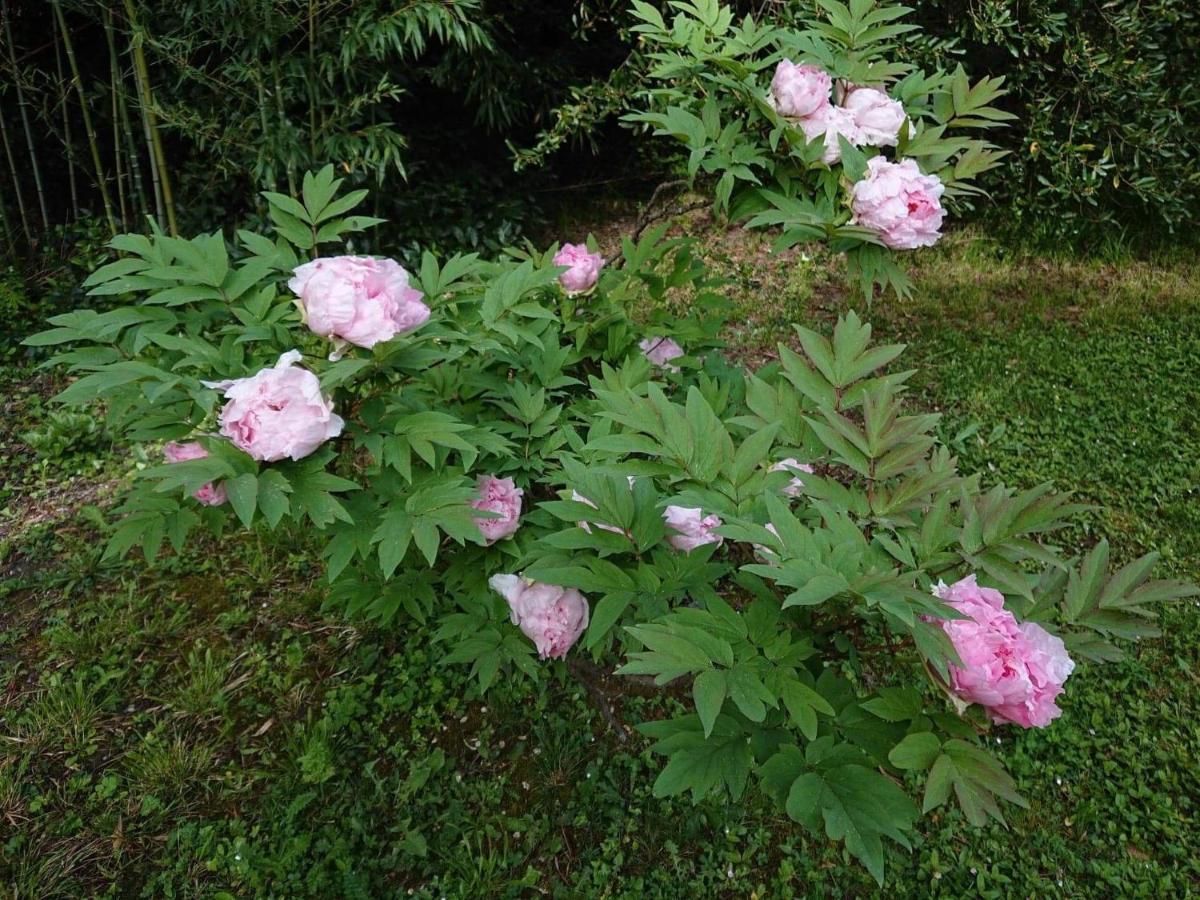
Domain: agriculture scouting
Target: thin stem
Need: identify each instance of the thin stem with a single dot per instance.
(23, 106)
(94, 146)
(158, 158)
(66, 120)
(159, 209)
(114, 77)
(16, 178)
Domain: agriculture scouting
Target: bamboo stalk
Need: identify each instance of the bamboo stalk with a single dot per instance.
(158, 158)
(66, 120)
(159, 209)
(93, 145)
(114, 77)
(10, 246)
(16, 178)
(23, 106)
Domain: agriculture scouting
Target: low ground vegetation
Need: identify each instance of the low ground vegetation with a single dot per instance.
(204, 726)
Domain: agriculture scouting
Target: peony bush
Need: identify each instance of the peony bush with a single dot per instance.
(502, 452)
(814, 130)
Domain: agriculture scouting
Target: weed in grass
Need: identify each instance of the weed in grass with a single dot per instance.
(169, 772)
(201, 684)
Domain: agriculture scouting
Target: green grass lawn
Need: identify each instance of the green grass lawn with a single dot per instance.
(201, 729)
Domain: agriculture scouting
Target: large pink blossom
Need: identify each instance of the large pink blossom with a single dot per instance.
(877, 117)
(828, 124)
(278, 412)
(357, 299)
(901, 204)
(795, 487)
(209, 494)
(799, 91)
(1015, 670)
(660, 351)
(691, 527)
(551, 616)
(498, 495)
(583, 268)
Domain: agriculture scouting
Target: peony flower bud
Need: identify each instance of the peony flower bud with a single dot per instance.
(498, 495)
(583, 268)
(898, 202)
(278, 412)
(357, 299)
(209, 494)
(552, 617)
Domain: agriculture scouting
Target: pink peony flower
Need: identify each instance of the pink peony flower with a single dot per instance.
(357, 299)
(551, 616)
(278, 412)
(584, 268)
(692, 528)
(498, 495)
(799, 91)
(795, 487)
(1015, 670)
(209, 494)
(900, 203)
(660, 351)
(877, 117)
(829, 123)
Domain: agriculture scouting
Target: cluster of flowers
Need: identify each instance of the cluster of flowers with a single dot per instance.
(894, 199)
(280, 412)
(1015, 670)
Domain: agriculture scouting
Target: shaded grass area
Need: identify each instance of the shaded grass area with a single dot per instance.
(202, 728)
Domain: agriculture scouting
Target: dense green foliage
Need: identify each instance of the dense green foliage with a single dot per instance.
(203, 728)
(1108, 100)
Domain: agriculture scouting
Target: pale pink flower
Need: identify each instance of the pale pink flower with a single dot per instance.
(877, 117)
(357, 299)
(660, 351)
(583, 268)
(799, 91)
(278, 412)
(901, 204)
(209, 494)
(827, 124)
(795, 487)
(692, 528)
(551, 616)
(498, 495)
(1014, 670)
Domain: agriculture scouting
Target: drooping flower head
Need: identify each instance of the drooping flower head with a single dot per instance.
(209, 494)
(660, 351)
(799, 91)
(278, 412)
(587, 526)
(1015, 670)
(900, 203)
(583, 268)
(357, 299)
(691, 527)
(551, 616)
(498, 495)
(795, 487)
